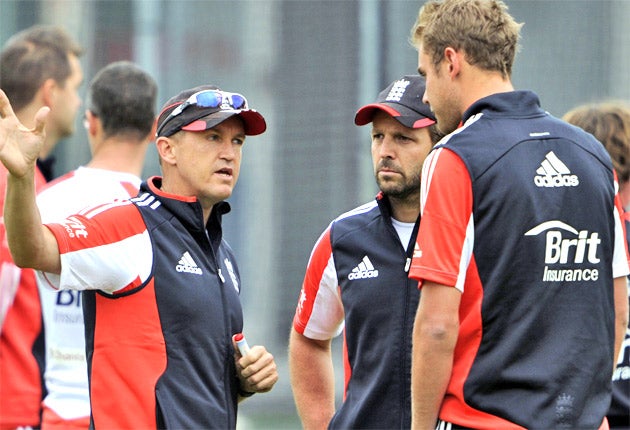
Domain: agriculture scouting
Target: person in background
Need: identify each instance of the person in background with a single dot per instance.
(160, 285)
(119, 120)
(521, 254)
(39, 66)
(356, 280)
(609, 122)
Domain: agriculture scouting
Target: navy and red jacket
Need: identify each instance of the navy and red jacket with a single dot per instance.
(361, 260)
(161, 311)
(521, 216)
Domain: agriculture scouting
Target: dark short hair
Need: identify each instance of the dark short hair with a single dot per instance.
(32, 56)
(124, 97)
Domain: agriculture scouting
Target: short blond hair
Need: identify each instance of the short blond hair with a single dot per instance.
(483, 29)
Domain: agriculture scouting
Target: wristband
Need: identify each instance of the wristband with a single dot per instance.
(244, 393)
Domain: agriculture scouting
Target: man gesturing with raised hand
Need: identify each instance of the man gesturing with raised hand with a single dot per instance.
(19, 148)
(158, 339)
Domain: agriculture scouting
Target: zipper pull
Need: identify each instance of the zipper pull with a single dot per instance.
(221, 276)
(407, 265)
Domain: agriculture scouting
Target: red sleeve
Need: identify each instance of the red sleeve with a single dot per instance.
(97, 226)
(319, 313)
(96, 237)
(441, 250)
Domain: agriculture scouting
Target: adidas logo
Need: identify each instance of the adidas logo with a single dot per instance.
(188, 265)
(554, 173)
(364, 269)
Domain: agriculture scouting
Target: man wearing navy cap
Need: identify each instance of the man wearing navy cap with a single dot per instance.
(356, 280)
(160, 285)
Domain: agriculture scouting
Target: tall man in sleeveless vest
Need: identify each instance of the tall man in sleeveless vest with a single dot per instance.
(521, 254)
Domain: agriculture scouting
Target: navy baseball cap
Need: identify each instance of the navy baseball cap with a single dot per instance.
(402, 99)
(205, 106)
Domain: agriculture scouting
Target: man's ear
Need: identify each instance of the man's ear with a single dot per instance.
(153, 131)
(167, 149)
(48, 89)
(453, 61)
(91, 122)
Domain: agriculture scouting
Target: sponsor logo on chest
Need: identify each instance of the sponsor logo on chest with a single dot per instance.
(186, 264)
(363, 270)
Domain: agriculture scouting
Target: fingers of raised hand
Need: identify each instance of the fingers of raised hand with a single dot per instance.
(5, 107)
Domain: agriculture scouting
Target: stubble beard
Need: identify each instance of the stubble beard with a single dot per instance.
(402, 190)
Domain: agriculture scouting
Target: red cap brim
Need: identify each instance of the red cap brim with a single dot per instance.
(366, 113)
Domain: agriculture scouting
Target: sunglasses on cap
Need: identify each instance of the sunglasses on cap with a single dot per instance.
(209, 99)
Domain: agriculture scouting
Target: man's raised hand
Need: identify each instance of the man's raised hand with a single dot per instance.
(19, 145)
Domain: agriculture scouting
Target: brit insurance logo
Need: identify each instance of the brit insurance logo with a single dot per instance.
(75, 228)
(566, 247)
(554, 173)
(363, 270)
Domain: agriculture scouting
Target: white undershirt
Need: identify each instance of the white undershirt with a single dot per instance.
(404, 230)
